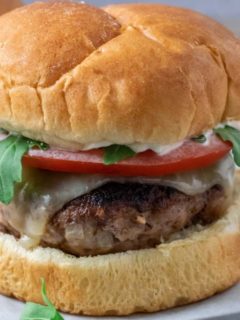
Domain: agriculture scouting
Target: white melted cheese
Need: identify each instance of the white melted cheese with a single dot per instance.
(42, 193)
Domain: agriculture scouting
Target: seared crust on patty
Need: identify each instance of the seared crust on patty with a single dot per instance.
(118, 217)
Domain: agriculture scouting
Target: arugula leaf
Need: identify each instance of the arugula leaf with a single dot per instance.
(34, 144)
(200, 139)
(12, 150)
(228, 133)
(34, 311)
(116, 153)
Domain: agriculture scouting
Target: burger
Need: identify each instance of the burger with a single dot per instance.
(120, 137)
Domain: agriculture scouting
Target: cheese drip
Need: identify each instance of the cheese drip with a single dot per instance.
(42, 193)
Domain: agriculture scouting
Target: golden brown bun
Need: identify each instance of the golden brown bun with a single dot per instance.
(175, 273)
(72, 74)
(6, 5)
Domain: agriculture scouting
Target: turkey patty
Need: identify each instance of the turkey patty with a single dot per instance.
(118, 217)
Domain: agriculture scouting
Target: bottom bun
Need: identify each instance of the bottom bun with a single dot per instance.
(176, 273)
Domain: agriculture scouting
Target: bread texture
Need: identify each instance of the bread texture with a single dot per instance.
(196, 266)
(72, 74)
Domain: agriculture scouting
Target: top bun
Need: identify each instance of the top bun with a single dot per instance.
(72, 74)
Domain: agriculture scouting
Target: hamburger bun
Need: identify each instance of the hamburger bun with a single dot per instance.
(195, 266)
(72, 74)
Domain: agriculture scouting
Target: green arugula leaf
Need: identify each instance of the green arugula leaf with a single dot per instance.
(116, 153)
(34, 311)
(200, 139)
(228, 133)
(38, 144)
(12, 150)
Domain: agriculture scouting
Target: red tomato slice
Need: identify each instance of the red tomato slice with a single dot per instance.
(191, 155)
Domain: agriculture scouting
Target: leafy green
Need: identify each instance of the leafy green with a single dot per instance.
(116, 153)
(34, 144)
(200, 139)
(12, 150)
(228, 133)
(34, 311)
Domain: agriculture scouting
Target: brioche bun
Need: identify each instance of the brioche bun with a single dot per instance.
(186, 270)
(72, 74)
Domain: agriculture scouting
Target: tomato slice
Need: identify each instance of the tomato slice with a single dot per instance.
(191, 155)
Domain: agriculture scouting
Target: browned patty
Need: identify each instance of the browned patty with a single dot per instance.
(119, 217)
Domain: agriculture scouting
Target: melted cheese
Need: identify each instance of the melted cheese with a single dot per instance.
(42, 193)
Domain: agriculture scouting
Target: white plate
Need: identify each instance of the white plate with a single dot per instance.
(226, 303)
